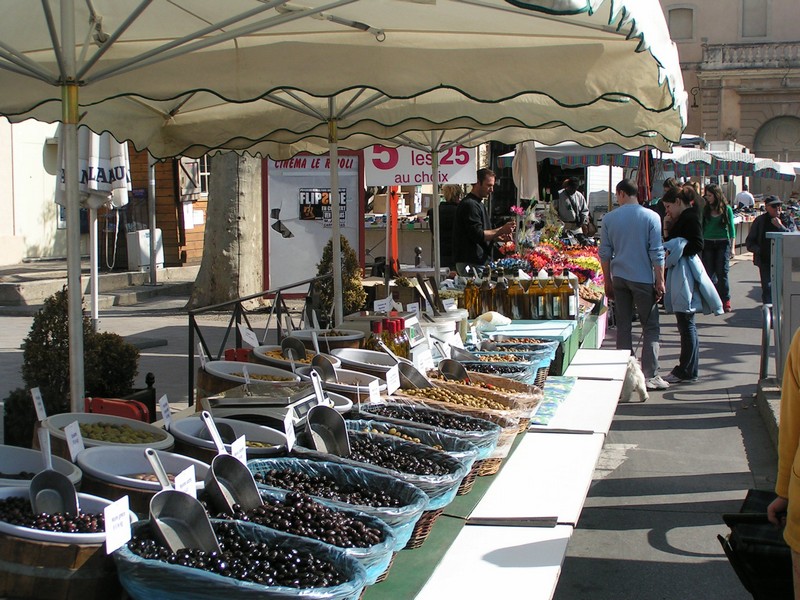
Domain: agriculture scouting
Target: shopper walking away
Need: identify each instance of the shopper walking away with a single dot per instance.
(784, 511)
(632, 258)
(571, 207)
(689, 288)
(472, 233)
(718, 236)
(744, 199)
(757, 242)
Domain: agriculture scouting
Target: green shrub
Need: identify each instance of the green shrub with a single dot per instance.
(353, 294)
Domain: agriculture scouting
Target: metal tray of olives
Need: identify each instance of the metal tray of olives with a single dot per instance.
(119, 431)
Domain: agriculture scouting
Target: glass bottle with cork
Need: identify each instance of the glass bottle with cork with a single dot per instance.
(552, 300)
(471, 298)
(515, 301)
(376, 328)
(486, 293)
(501, 293)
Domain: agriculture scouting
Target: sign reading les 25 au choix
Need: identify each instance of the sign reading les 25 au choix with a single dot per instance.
(409, 166)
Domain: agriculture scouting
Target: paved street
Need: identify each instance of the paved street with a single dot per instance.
(669, 469)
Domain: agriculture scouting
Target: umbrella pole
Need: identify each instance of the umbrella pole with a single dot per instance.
(338, 308)
(151, 215)
(93, 267)
(69, 117)
(437, 257)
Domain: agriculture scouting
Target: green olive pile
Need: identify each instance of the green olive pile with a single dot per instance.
(327, 487)
(435, 418)
(381, 453)
(403, 436)
(447, 395)
(492, 358)
(20, 475)
(262, 377)
(277, 354)
(246, 560)
(302, 515)
(513, 347)
(118, 434)
(254, 444)
(17, 511)
(435, 374)
(524, 340)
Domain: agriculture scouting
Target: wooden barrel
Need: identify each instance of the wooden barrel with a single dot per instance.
(138, 499)
(48, 571)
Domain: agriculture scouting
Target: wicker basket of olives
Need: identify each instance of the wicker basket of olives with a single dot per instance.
(255, 562)
(397, 503)
(361, 536)
(465, 399)
(480, 432)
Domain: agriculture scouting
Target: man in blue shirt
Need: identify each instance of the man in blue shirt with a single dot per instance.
(632, 257)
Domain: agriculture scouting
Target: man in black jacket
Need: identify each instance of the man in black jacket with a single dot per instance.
(757, 242)
(472, 233)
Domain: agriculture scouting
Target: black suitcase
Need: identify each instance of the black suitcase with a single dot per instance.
(756, 549)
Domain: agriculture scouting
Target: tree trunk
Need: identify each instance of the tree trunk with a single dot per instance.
(232, 245)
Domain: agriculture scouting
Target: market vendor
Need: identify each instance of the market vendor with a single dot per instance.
(571, 206)
(472, 235)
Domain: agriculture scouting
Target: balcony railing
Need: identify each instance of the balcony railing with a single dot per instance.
(779, 55)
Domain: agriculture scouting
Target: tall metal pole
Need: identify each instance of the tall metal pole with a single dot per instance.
(151, 215)
(333, 140)
(69, 116)
(437, 258)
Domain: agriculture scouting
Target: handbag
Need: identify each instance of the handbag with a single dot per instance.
(589, 229)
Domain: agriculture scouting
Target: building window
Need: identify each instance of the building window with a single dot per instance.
(754, 18)
(205, 174)
(681, 23)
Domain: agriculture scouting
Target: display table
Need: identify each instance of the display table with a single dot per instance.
(590, 406)
(599, 364)
(503, 562)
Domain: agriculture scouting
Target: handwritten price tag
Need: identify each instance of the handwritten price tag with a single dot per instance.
(202, 355)
(166, 412)
(38, 404)
(249, 336)
(239, 449)
(413, 307)
(186, 481)
(374, 391)
(74, 440)
(246, 375)
(450, 304)
(392, 380)
(382, 306)
(288, 427)
(118, 524)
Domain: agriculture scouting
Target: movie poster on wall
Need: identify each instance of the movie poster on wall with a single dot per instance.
(315, 204)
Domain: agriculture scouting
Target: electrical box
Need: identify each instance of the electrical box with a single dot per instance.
(785, 293)
(139, 250)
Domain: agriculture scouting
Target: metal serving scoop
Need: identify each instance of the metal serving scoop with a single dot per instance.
(295, 346)
(453, 370)
(325, 368)
(50, 491)
(180, 521)
(328, 431)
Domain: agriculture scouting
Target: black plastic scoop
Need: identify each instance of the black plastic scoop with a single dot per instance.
(50, 491)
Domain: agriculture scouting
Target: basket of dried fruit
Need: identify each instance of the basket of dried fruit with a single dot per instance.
(397, 503)
(363, 537)
(460, 449)
(254, 562)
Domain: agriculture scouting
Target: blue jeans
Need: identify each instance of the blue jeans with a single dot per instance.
(689, 362)
(628, 294)
(716, 260)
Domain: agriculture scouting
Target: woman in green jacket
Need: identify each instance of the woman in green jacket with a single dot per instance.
(718, 236)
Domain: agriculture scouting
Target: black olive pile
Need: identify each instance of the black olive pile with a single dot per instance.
(246, 560)
(429, 417)
(302, 515)
(327, 487)
(20, 475)
(495, 369)
(382, 453)
(17, 511)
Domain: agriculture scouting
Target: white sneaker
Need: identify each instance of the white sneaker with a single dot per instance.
(656, 383)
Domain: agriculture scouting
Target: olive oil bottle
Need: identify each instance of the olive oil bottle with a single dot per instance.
(515, 301)
(471, 300)
(486, 292)
(501, 294)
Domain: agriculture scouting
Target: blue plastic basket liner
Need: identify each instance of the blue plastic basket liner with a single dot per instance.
(537, 356)
(509, 345)
(146, 579)
(401, 519)
(441, 489)
(480, 432)
(375, 559)
(462, 450)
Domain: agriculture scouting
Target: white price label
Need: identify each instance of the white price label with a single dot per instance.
(74, 440)
(186, 481)
(413, 307)
(239, 449)
(382, 306)
(38, 404)
(450, 304)
(246, 375)
(249, 336)
(202, 355)
(397, 306)
(118, 524)
(166, 413)
(423, 360)
(392, 380)
(473, 335)
(288, 427)
(374, 391)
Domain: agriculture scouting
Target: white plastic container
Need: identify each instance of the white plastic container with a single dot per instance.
(15, 460)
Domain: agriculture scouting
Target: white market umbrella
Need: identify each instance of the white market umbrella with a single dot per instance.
(59, 60)
(104, 179)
